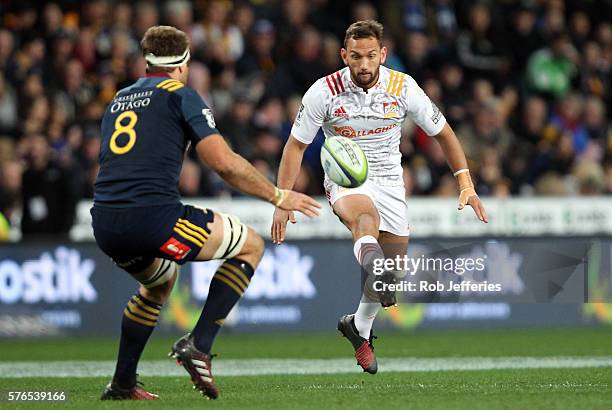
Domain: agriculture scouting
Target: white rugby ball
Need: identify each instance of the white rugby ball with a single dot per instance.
(344, 162)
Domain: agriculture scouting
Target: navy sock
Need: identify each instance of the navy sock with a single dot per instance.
(227, 286)
(139, 319)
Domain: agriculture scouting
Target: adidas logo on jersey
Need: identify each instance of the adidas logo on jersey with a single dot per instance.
(340, 112)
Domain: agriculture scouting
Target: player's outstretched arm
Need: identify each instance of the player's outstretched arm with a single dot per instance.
(240, 174)
(456, 159)
(290, 165)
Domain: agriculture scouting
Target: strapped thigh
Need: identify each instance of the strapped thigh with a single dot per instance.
(234, 237)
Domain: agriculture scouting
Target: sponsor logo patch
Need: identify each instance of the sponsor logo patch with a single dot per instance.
(390, 109)
(207, 113)
(350, 132)
(175, 249)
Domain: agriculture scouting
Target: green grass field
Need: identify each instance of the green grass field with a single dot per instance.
(538, 368)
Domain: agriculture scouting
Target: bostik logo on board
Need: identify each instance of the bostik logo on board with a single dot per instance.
(59, 277)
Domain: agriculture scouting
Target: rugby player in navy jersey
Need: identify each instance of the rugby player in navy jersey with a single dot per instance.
(139, 221)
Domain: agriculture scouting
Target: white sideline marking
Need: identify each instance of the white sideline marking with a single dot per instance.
(258, 367)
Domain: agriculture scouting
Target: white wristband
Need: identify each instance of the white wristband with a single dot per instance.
(461, 171)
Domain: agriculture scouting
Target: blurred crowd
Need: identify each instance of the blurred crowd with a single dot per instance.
(525, 84)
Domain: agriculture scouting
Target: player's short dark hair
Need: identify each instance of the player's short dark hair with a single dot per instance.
(164, 41)
(364, 29)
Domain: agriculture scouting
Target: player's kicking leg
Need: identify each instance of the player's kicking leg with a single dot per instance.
(140, 317)
(242, 249)
(360, 216)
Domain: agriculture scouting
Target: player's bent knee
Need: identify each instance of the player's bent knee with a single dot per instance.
(256, 245)
(365, 224)
(159, 294)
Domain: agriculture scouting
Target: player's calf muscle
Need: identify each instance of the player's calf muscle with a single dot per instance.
(159, 294)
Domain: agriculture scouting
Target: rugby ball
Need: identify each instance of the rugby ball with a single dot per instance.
(344, 162)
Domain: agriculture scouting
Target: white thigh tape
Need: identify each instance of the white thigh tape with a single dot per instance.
(234, 237)
(162, 275)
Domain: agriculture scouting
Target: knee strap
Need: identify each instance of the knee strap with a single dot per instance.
(162, 274)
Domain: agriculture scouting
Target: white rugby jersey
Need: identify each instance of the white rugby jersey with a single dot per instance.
(372, 119)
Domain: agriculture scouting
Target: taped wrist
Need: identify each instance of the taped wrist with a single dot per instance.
(464, 179)
(279, 196)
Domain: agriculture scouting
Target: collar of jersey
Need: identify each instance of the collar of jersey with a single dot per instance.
(355, 87)
(158, 74)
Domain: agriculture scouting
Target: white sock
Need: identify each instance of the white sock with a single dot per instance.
(366, 250)
(364, 318)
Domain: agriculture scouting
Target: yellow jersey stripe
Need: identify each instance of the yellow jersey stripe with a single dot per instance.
(133, 308)
(398, 90)
(390, 80)
(160, 85)
(145, 306)
(228, 283)
(395, 78)
(238, 272)
(175, 87)
(188, 237)
(137, 319)
(194, 227)
(234, 277)
(169, 84)
(191, 232)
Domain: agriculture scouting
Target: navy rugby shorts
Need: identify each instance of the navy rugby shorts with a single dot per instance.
(134, 236)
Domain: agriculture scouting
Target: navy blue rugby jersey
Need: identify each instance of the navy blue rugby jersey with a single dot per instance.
(145, 131)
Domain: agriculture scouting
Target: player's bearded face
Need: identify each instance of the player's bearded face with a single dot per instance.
(364, 57)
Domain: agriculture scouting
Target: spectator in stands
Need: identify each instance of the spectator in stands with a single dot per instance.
(76, 90)
(7, 205)
(7, 43)
(259, 57)
(590, 177)
(524, 38)
(595, 120)
(550, 70)
(608, 176)
(416, 56)
(49, 197)
(190, 179)
(304, 66)
(236, 125)
(534, 120)
(8, 108)
(453, 92)
(567, 121)
(479, 48)
(486, 128)
(594, 71)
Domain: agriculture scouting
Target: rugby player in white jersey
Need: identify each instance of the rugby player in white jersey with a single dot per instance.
(368, 102)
